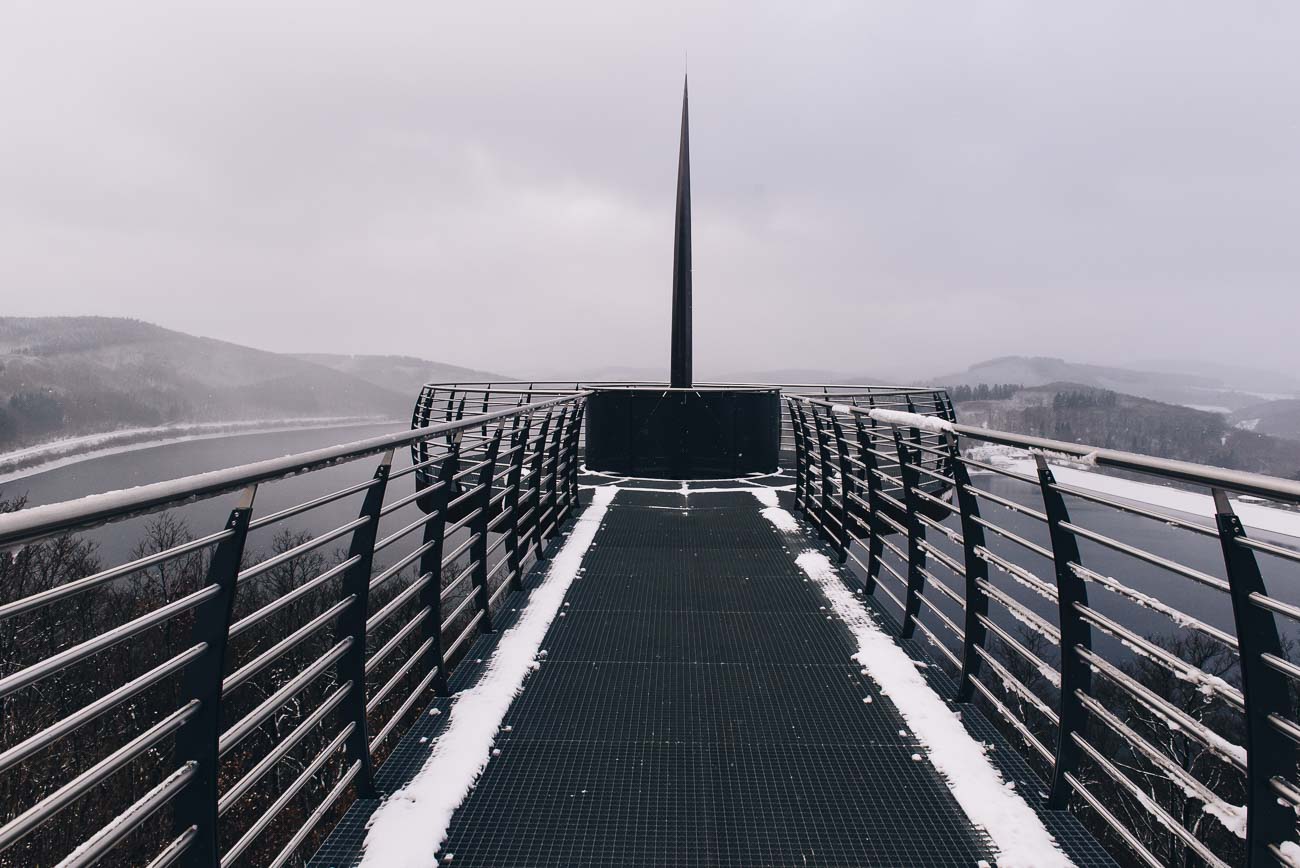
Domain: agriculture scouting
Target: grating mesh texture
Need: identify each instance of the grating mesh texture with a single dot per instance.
(696, 706)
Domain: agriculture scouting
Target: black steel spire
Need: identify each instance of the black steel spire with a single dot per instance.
(681, 361)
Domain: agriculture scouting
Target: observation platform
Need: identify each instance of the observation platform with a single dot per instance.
(697, 704)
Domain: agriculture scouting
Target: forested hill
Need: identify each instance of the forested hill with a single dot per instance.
(1112, 420)
(67, 376)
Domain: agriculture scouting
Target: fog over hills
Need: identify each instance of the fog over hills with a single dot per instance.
(1218, 389)
(66, 376)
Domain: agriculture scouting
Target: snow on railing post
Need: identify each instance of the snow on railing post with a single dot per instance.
(915, 532)
(434, 541)
(800, 455)
(1269, 754)
(478, 528)
(976, 572)
(535, 486)
(846, 476)
(514, 485)
(195, 807)
(352, 623)
(1076, 674)
(875, 547)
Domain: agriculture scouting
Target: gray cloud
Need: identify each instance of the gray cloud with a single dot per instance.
(888, 188)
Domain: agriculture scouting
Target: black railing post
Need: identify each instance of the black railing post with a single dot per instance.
(580, 411)
(434, 540)
(846, 474)
(195, 807)
(875, 548)
(352, 623)
(976, 572)
(478, 527)
(535, 486)
(1269, 754)
(563, 458)
(1076, 674)
(514, 485)
(824, 509)
(800, 456)
(915, 534)
(553, 484)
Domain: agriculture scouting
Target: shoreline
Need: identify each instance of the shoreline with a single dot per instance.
(33, 460)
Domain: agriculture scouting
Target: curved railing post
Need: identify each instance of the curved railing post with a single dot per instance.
(433, 541)
(800, 455)
(1269, 754)
(875, 548)
(1076, 675)
(514, 485)
(535, 486)
(915, 534)
(976, 572)
(195, 807)
(478, 527)
(824, 508)
(846, 475)
(553, 459)
(579, 413)
(352, 623)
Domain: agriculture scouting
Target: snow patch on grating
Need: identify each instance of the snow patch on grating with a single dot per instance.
(1017, 833)
(409, 827)
(773, 512)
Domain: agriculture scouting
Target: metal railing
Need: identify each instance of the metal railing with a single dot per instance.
(207, 703)
(1136, 651)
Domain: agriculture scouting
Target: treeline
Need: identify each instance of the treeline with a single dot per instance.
(983, 392)
(1111, 420)
(32, 416)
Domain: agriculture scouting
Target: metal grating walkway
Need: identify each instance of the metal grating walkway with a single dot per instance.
(697, 707)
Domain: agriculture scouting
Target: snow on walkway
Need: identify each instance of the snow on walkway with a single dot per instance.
(409, 827)
(1018, 835)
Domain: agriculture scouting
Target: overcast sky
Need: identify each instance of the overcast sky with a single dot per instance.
(879, 188)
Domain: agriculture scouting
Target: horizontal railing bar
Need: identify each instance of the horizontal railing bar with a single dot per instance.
(26, 525)
(281, 750)
(291, 511)
(77, 586)
(55, 731)
(254, 618)
(1147, 557)
(402, 671)
(301, 549)
(398, 601)
(98, 845)
(1007, 679)
(404, 708)
(1180, 618)
(1215, 743)
(270, 655)
(26, 822)
(316, 815)
(1120, 829)
(396, 639)
(267, 815)
(1172, 663)
(79, 652)
(259, 715)
(176, 849)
